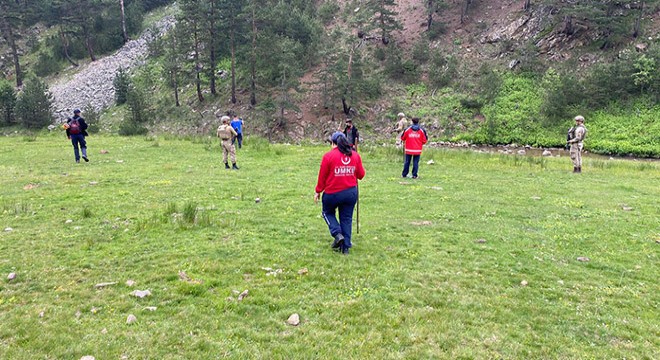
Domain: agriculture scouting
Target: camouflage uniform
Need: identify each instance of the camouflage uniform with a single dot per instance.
(226, 133)
(401, 125)
(576, 142)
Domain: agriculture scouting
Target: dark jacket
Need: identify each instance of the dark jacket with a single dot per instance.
(354, 136)
(81, 121)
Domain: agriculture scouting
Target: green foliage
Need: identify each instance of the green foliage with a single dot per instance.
(92, 118)
(7, 102)
(561, 93)
(399, 68)
(33, 106)
(130, 128)
(327, 10)
(121, 84)
(46, 64)
(444, 68)
(138, 104)
(420, 52)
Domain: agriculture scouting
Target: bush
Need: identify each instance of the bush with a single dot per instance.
(92, 119)
(33, 106)
(130, 128)
(7, 102)
(327, 11)
(46, 65)
(121, 83)
(444, 69)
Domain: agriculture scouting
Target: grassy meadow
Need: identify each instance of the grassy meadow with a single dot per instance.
(476, 259)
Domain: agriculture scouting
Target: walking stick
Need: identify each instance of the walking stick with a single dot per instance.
(357, 218)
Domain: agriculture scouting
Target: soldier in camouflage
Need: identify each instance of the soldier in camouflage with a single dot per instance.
(226, 133)
(575, 139)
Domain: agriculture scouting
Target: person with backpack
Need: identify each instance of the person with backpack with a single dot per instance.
(340, 170)
(414, 139)
(575, 139)
(352, 134)
(76, 131)
(226, 133)
(237, 124)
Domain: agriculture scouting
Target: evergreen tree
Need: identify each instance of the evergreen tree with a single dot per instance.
(10, 22)
(34, 103)
(121, 83)
(7, 102)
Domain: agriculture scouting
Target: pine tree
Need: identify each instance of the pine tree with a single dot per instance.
(7, 102)
(121, 83)
(10, 22)
(34, 104)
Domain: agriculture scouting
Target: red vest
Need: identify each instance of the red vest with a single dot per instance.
(415, 140)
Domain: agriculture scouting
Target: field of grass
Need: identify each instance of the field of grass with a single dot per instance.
(476, 259)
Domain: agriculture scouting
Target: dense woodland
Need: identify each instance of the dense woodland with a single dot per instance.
(256, 52)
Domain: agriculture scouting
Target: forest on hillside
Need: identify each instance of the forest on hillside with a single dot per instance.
(257, 52)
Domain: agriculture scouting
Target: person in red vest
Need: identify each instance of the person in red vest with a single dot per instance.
(340, 170)
(414, 138)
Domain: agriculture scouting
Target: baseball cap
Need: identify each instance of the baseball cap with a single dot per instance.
(335, 136)
(76, 111)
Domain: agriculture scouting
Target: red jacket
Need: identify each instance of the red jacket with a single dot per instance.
(415, 138)
(339, 172)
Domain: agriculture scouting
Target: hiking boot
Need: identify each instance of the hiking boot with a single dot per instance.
(575, 169)
(85, 158)
(233, 166)
(344, 251)
(339, 241)
(227, 166)
(415, 177)
(579, 169)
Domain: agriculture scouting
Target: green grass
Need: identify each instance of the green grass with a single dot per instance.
(417, 283)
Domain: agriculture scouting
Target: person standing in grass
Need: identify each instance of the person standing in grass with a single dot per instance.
(226, 133)
(76, 130)
(352, 134)
(401, 125)
(414, 139)
(237, 124)
(576, 137)
(341, 168)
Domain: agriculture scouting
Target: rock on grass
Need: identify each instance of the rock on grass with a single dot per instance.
(293, 320)
(131, 319)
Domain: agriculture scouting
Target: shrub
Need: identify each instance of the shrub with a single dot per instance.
(327, 10)
(46, 65)
(33, 106)
(121, 83)
(7, 102)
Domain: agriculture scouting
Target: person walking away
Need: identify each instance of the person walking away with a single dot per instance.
(237, 124)
(226, 133)
(352, 134)
(340, 170)
(414, 139)
(76, 131)
(576, 136)
(401, 125)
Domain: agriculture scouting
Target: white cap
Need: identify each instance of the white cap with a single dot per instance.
(224, 118)
(401, 115)
(579, 118)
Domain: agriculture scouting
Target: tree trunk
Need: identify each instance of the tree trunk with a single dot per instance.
(527, 5)
(8, 34)
(430, 18)
(464, 10)
(233, 67)
(175, 85)
(88, 44)
(65, 47)
(568, 25)
(638, 21)
(123, 22)
(198, 80)
(253, 65)
(212, 47)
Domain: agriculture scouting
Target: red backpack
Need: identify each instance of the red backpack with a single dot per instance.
(74, 127)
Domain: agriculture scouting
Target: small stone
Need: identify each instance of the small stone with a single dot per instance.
(430, 162)
(78, 314)
(94, 310)
(243, 295)
(536, 198)
(303, 271)
(41, 314)
(627, 208)
(560, 282)
(93, 183)
(8, 229)
(120, 161)
(583, 259)
(69, 221)
(235, 292)
(11, 276)
(257, 200)
(151, 308)
(523, 283)
(104, 152)
(546, 153)
(130, 283)
(102, 285)
(481, 241)
(521, 152)
(104, 331)
(88, 357)
(293, 320)
(140, 293)
(131, 319)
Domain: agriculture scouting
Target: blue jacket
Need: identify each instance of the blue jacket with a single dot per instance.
(237, 125)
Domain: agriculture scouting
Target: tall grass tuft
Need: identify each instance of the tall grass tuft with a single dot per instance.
(86, 213)
(190, 212)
